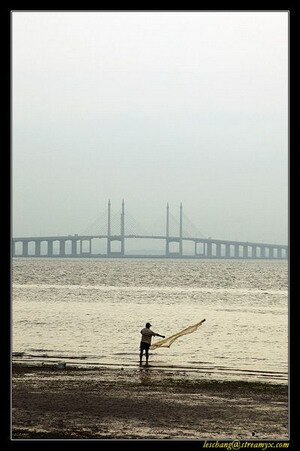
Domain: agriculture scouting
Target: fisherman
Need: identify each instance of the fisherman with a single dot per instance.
(147, 334)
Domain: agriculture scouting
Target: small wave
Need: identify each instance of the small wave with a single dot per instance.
(226, 368)
(63, 356)
(50, 356)
(162, 289)
(199, 362)
(41, 350)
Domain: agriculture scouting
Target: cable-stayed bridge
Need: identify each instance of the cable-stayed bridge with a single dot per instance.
(108, 235)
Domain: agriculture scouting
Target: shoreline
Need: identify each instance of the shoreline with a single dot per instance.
(145, 403)
(202, 372)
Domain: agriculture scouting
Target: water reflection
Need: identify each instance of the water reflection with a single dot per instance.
(145, 374)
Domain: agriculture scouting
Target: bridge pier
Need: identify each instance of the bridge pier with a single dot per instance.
(25, 249)
(73, 247)
(236, 251)
(218, 250)
(167, 232)
(209, 249)
(227, 250)
(108, 229)
(123, 229)
(62, 248)
(50, 248)
(180, 231)
(37, 249)
(120, 238)
(245, 251)
(254, 253)
(169, 239)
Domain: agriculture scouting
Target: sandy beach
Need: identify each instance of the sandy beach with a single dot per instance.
(147, 403)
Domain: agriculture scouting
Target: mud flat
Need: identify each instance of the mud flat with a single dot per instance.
(49, 402)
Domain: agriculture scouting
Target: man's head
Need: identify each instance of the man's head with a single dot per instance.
(148, 325)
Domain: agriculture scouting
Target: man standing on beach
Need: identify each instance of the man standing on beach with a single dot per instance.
(147, 334)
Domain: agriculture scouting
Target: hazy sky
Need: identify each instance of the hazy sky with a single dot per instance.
(152, 107)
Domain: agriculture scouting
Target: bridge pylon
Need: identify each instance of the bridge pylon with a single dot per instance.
(173, 239)
(110, 237)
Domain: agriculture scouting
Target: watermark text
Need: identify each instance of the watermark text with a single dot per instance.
(236, 445)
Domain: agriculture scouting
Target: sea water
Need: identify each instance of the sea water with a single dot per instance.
(91, 312)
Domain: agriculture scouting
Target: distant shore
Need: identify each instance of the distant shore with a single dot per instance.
(142, 403)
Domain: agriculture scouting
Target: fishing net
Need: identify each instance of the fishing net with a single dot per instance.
(166, 342)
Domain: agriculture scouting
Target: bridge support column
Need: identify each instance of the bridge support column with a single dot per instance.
(108, 229)
(167, 249)
(123, 229)
(37, 249)
(245, 251)
(209, 249)
(50, 248)
(74, 247)
(271, 252)
(279, 252)
(227, 250)
(180, 231)
(25, 249)
(178, 240)
(168, 232)
(218, 250)
(236, 251)
(108, 252)
(122, 246)
(120, 238)
(262, 252)
(62, 248)
(254, 254)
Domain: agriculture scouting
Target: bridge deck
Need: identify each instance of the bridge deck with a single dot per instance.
(154, 237)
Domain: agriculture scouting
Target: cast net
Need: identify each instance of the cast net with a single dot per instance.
(166, 342)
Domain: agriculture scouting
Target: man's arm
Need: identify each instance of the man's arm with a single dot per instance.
(158, 335)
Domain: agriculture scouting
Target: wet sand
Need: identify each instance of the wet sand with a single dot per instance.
(147, 403)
